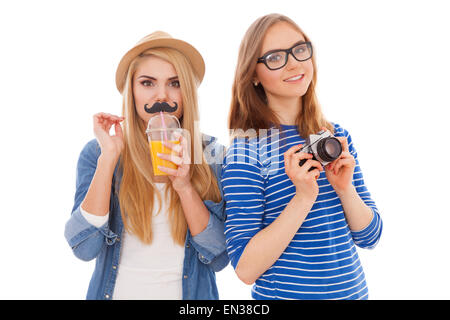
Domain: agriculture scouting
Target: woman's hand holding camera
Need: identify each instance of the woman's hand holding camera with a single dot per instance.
(303, 179)
(111, 145)
(340, 172)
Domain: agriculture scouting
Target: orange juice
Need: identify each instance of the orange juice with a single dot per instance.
(158, 147)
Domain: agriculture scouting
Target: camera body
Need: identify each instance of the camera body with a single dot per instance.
(324, 147)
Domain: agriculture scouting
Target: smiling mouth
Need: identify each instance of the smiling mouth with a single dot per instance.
(295, 78)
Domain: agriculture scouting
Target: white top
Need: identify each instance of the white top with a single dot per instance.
(148, 271)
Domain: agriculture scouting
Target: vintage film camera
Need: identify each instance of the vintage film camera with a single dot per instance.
(324, 147)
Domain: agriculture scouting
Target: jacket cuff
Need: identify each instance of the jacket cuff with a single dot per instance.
(210, 243)
(78, 229)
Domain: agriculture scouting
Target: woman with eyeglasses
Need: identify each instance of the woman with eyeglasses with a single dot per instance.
(291, 229)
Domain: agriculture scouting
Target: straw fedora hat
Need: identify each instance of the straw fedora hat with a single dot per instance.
(155, 40)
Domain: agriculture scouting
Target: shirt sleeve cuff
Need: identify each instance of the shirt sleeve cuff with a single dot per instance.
(96, 221)
(370, 235)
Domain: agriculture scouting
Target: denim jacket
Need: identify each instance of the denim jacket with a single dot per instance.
(205, 253)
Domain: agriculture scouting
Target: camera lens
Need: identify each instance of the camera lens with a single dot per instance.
(329, 149)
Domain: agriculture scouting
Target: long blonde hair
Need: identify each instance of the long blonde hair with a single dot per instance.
(137, 187)
(249, 109)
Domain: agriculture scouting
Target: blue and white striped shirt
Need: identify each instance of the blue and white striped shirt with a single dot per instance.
(321, 261)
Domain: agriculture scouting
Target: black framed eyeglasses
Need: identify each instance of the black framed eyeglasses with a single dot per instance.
(277, 59)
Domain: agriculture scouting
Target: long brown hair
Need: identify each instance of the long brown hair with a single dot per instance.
(249, 108)
(137, 187)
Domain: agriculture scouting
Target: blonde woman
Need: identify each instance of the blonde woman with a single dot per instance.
(291, 228)
(153, 237)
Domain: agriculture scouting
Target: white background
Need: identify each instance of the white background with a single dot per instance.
(383, 70)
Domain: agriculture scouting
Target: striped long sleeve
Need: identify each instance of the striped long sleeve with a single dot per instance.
(369, 236)
(244, 196)
(321, 261)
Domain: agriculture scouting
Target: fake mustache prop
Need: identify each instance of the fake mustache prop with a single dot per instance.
(158, 107)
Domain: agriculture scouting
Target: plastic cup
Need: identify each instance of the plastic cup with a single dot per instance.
(161, 128)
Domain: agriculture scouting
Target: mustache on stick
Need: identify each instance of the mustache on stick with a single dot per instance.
(160, 106)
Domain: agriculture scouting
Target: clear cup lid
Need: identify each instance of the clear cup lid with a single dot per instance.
(166, 121)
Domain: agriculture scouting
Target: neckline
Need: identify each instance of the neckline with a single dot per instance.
(288, 126)
(160, 185)
(284, 126)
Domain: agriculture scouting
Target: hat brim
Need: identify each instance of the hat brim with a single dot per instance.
(185, 48)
